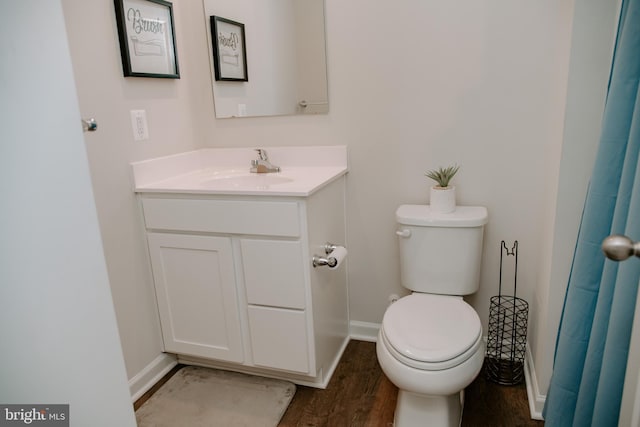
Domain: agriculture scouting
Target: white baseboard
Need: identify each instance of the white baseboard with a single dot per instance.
(363, 331)
(150, 375)
(536, 399)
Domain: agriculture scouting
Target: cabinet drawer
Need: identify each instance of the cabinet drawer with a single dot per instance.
(222, 216)
(273, 272)
(279, 339)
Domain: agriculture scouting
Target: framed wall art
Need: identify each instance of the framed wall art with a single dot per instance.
(229, 50)
(147, 38)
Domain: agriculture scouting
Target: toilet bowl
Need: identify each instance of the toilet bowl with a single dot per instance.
(431, 348)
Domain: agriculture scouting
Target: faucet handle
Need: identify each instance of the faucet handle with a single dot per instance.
(262, 154)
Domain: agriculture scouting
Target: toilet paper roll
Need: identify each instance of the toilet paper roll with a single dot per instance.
(339, 254)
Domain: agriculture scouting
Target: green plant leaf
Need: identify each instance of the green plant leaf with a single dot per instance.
(443, 175)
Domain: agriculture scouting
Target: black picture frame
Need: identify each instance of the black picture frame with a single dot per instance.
(147, 38)
(229, 50)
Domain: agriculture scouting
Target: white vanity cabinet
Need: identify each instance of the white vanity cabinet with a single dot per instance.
(235, 284)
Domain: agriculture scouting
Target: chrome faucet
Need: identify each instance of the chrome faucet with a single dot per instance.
(262, 164)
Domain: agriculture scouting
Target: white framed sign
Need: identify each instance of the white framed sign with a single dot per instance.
(229, 50)
(147, 38)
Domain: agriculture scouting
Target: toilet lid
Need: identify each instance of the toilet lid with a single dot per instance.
(431, 328)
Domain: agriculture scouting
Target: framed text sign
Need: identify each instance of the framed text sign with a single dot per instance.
(229, 50)
(147, 38)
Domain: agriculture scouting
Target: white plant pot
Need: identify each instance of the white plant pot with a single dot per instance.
(443, 200)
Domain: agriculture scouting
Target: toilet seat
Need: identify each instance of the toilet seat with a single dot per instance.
(431, 332)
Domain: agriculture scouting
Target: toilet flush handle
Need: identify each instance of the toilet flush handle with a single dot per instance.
(404, 233)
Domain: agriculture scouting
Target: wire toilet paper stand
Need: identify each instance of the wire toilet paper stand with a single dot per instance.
(507, 335)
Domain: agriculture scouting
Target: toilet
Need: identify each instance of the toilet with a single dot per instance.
(430, 342)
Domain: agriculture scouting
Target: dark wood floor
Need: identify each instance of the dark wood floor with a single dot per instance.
(359, 394)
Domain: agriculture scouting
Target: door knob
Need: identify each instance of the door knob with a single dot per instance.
(619, 248)
(89, 125)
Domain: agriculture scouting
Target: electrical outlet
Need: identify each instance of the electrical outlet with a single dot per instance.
(139, 125)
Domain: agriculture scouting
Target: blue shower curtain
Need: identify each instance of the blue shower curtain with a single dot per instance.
(593, 340)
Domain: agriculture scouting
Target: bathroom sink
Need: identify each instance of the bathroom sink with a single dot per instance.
(303, 171)
(245, 181)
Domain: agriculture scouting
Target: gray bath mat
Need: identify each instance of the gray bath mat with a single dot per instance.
(202, 397)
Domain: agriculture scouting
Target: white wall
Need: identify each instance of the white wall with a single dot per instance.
(60, 343)
(593, 39)
(172, 115)
(416, 85)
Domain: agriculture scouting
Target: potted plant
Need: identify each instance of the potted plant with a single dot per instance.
(443, 195)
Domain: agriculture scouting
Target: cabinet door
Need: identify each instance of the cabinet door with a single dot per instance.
(196, 291)
(279, 339)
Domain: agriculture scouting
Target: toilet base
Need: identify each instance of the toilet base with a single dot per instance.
(417, 410)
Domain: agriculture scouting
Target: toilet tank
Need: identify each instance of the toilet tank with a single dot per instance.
(441, 253)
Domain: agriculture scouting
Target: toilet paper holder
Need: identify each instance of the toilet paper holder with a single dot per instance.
(319, 261)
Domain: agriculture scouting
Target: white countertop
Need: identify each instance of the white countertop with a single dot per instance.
(225, 171)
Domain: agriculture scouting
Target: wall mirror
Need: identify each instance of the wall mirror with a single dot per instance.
(286, 62)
